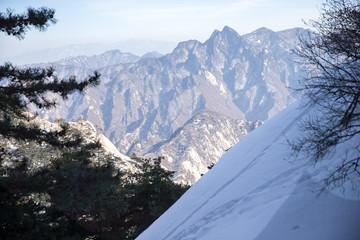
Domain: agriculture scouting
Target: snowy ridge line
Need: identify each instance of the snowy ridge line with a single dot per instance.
(247, 167)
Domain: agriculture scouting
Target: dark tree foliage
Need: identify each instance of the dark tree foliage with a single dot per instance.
(68, 199)
(76, 199)
(17, 24)
(150, 194)
(332, 55)
(24, 219)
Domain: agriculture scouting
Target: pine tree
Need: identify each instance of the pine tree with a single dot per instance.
(26, 214)
(151, 193)
(17, 24)
(24, 86)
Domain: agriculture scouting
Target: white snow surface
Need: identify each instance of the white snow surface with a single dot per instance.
(259, 191)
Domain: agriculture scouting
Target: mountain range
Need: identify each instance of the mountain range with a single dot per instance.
(146, 104)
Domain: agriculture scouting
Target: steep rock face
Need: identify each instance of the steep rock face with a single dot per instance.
(196, 146)
(90, 133)
(243, 77)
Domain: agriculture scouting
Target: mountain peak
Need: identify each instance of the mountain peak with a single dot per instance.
(226, 31)
(227, 35)
(263, 37)
(263, 30)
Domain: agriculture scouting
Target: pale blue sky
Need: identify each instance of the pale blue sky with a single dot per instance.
(89, 21)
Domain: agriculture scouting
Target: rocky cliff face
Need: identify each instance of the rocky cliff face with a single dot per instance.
(198, 145)
(243, 77)
(91, 134)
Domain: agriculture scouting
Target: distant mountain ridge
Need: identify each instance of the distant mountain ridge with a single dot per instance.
(136, 47)
(242, 77)
(108, 58)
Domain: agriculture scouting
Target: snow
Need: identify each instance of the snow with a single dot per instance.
(258, 190)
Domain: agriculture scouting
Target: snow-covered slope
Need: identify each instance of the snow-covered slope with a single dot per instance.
(257, 190)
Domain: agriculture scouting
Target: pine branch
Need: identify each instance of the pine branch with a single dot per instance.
(17, 24)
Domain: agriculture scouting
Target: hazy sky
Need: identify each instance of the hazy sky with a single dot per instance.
(88, 21)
